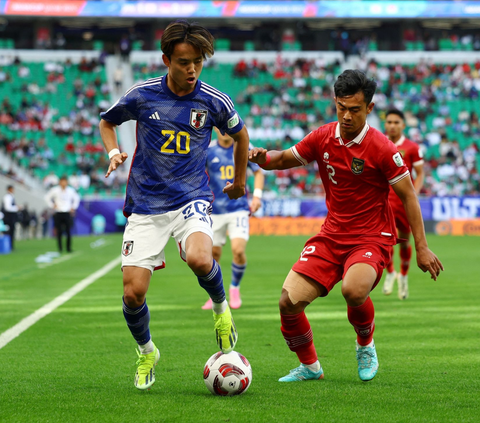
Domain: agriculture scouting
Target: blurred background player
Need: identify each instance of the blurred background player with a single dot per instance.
(230, 216)
(167, 192)
(413, 158)
(64, 200)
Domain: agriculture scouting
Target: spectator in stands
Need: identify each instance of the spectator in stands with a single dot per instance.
(10, 211)
(118, 79)
(125, 47)
(64, 200)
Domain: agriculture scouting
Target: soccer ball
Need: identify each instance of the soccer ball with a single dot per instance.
(227, 374)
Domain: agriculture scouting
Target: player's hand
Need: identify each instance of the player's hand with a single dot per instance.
(429, 262)
(116, 161)
(257, 155)
(234, 191)
(255, 204)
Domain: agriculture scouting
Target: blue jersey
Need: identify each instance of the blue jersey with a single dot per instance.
(173, 134)
(221, 168)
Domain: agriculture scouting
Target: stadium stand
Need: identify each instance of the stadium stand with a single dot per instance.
(49, 113)
(49, 119)
(284, 100)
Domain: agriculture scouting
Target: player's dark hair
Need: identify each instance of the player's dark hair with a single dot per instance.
(395, 112)
(185, 32)
(9, 187)
(352, 81)
(63, 178)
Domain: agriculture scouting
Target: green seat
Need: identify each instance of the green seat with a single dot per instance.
(137, 45)
(372, 45)
(249, 46)
(445, 44)
(98, 45)
(409, 45)
(222, 44)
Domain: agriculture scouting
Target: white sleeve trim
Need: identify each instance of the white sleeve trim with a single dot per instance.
(398, 178)
(420, 162)
(298, 157)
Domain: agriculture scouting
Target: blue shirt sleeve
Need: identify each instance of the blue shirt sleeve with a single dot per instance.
(124, 109)
(228, 120)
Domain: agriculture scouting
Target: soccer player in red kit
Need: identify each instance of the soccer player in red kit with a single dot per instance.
(413, 158)
(357, 164)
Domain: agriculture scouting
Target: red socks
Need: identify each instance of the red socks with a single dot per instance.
(298, 335)
(390, 267)
(362, 318)
(405, 255)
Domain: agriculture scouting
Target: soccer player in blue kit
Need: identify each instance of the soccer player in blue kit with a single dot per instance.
(167, 191)
(231, 216)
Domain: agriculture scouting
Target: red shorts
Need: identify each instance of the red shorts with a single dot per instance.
(327, 261)
(401, 221)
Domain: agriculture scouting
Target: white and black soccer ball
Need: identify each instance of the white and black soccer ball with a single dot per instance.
(227, 374)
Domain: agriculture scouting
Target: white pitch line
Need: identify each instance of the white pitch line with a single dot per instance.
(58, 260)
(28, 321)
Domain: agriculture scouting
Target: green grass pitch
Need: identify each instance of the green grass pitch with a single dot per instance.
(77, 363)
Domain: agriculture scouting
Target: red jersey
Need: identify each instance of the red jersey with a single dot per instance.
(356, 176)
(412, 156)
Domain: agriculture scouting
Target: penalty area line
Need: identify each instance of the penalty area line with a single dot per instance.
(28, 321)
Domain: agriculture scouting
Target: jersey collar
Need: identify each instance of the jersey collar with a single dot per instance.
(357, 140)
(400, 141)
(170, 93)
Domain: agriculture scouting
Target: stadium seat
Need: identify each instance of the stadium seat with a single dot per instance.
(222, 44)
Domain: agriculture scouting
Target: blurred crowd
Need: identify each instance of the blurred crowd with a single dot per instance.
(282, 102)
(28, 127)
(438, 101)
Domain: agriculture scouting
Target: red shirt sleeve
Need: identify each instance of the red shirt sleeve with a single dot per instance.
(306, 150)
(392, 164)
(417, 155)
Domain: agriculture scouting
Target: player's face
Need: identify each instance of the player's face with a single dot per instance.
(184, 68)
(394, 126)
(352, 114)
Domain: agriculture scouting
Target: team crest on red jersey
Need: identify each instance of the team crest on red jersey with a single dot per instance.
(198, 118)
(127, 248)
(357, 166)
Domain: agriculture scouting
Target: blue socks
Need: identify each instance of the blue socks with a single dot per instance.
(237, 273)
(213, 283)
(138, 320)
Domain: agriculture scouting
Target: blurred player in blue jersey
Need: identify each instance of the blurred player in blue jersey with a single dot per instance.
(231, 216)
(167, 191)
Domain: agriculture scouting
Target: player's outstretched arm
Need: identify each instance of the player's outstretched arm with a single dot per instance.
(426, 259)
(270, 160)
(109, 138)
(240, 157)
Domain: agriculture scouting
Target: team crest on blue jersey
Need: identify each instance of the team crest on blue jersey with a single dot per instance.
(127, 248)
(357, 166)
(198, 117)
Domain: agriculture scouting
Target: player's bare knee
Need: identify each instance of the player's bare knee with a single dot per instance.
(285, 304)
(239, 256)
(133, 298)
(201, 264)
(217, 253)
(354, 297)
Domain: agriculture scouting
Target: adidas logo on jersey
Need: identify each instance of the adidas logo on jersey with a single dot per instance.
(215, 160)
(155, 116)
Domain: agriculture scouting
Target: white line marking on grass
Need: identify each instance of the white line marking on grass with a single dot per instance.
(24, 324)
(58, 260)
